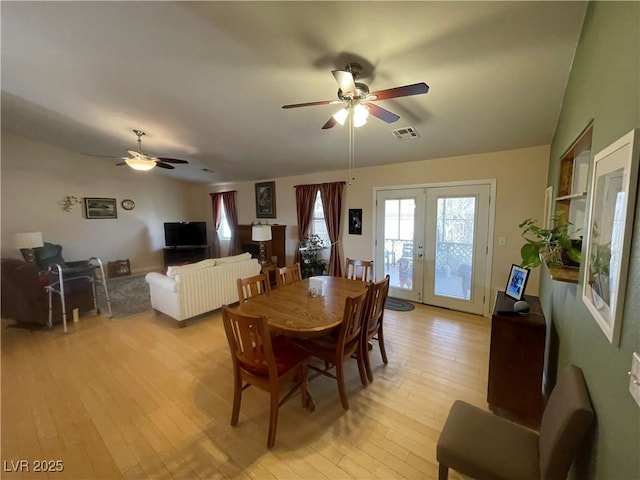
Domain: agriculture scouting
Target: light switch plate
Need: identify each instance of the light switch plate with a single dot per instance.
(634, 378)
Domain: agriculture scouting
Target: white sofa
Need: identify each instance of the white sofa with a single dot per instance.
(190, 290)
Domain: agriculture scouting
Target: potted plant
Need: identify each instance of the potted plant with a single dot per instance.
(550, 245)
(310, 248)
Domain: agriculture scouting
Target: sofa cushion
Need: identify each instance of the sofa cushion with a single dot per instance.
(173, 271)
(235, 258)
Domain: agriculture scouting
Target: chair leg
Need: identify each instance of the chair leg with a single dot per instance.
(361, 364)
(383, 351)
(237, 399)
(367, 362)
(443, 472)
(341, 388)
(303, 385)
(273, 418)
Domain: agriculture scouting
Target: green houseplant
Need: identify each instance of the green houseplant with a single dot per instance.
(548, 244)
(310, 248)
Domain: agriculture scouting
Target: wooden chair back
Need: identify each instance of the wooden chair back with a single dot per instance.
(250, 343)
(288, 275)
(253, 286)
(359, 270)
(352, 323)
(372, 326)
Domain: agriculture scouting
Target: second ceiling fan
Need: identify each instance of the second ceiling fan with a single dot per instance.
(358, 100)
(139, 160)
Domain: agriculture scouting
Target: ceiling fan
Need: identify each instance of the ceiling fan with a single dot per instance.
(358, 100)
(139, 160)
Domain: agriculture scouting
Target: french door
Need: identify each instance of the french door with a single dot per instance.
(433, 243)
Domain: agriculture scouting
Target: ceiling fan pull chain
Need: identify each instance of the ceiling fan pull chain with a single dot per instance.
(351, 148)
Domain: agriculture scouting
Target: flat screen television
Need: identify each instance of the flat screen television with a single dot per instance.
(185, 234)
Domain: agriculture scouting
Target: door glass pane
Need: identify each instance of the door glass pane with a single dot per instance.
(455, 222)
(399, 223)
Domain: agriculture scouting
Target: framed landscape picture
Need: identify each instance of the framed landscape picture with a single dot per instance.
(266, 200)
(100, 207)
(614, 182)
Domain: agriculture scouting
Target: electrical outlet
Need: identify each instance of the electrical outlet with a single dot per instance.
(502, 241)
(634, 378)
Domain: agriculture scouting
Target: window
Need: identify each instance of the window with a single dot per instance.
(318, 223)
(224, 232)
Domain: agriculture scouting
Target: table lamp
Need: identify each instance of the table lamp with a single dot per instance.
(261, 233)
(26, 242)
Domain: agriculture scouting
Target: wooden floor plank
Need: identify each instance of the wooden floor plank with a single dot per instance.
(139, 397)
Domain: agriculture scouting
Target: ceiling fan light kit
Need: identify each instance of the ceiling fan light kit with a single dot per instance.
(140, 164)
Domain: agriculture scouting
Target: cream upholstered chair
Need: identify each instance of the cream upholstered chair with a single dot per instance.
(484, 446)
(288, 275)
(359, 269)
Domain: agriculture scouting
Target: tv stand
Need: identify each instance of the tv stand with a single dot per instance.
(182, 255)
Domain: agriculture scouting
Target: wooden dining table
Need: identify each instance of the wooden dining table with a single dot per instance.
(294, 312)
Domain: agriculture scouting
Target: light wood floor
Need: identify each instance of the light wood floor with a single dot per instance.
(141, 398)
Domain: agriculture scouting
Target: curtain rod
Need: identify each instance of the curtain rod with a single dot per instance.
(312, 184)
(227, 191)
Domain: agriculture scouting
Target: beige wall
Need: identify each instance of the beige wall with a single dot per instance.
(520, 183)
(36, 177)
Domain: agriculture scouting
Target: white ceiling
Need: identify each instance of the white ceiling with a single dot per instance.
(206, 80)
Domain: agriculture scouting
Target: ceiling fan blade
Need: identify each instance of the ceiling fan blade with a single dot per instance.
(310, 104)
(119, 164)
(165, 165)
(346, 82)
(330, 123)
(171, 160)
(382, 114)
(404, 91)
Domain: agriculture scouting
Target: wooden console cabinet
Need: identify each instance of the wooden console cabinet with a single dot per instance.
(276, 247)
(516, 362)
(182, 255)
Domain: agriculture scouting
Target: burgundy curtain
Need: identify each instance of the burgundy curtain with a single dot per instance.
(229, 200)
(305, 199)
(216, 205)
(331, 196)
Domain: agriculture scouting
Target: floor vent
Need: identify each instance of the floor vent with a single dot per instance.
(405, 133)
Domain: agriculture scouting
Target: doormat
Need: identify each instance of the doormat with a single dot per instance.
(398, 305)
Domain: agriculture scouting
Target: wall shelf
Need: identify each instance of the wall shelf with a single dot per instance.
(564, 274)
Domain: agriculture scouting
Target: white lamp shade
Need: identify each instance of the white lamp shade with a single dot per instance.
(360, 115)
(261, 233)
(28, 240)
(140, 164)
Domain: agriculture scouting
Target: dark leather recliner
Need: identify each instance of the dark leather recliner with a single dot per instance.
(51, 254)
(25, 300)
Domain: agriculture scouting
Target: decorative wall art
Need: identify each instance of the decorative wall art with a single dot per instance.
(100, 208)
(614, 182)
(355, 221)
(266, 200)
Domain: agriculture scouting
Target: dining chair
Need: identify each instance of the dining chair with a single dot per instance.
(372, 325)
(264, 362)
(479, 444)
(335, 348)
(253, 286)
(359, 270)
(288, 275)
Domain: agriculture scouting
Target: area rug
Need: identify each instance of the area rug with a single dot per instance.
(398, 305)
(128, 295)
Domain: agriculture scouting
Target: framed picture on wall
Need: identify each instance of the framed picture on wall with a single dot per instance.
(266, 200)
(100, 207)
(614, 182)
(355, 221)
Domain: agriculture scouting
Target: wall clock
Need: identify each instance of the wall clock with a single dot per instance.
(128, 204)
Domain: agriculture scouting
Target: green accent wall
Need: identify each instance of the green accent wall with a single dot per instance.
(604, 85)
